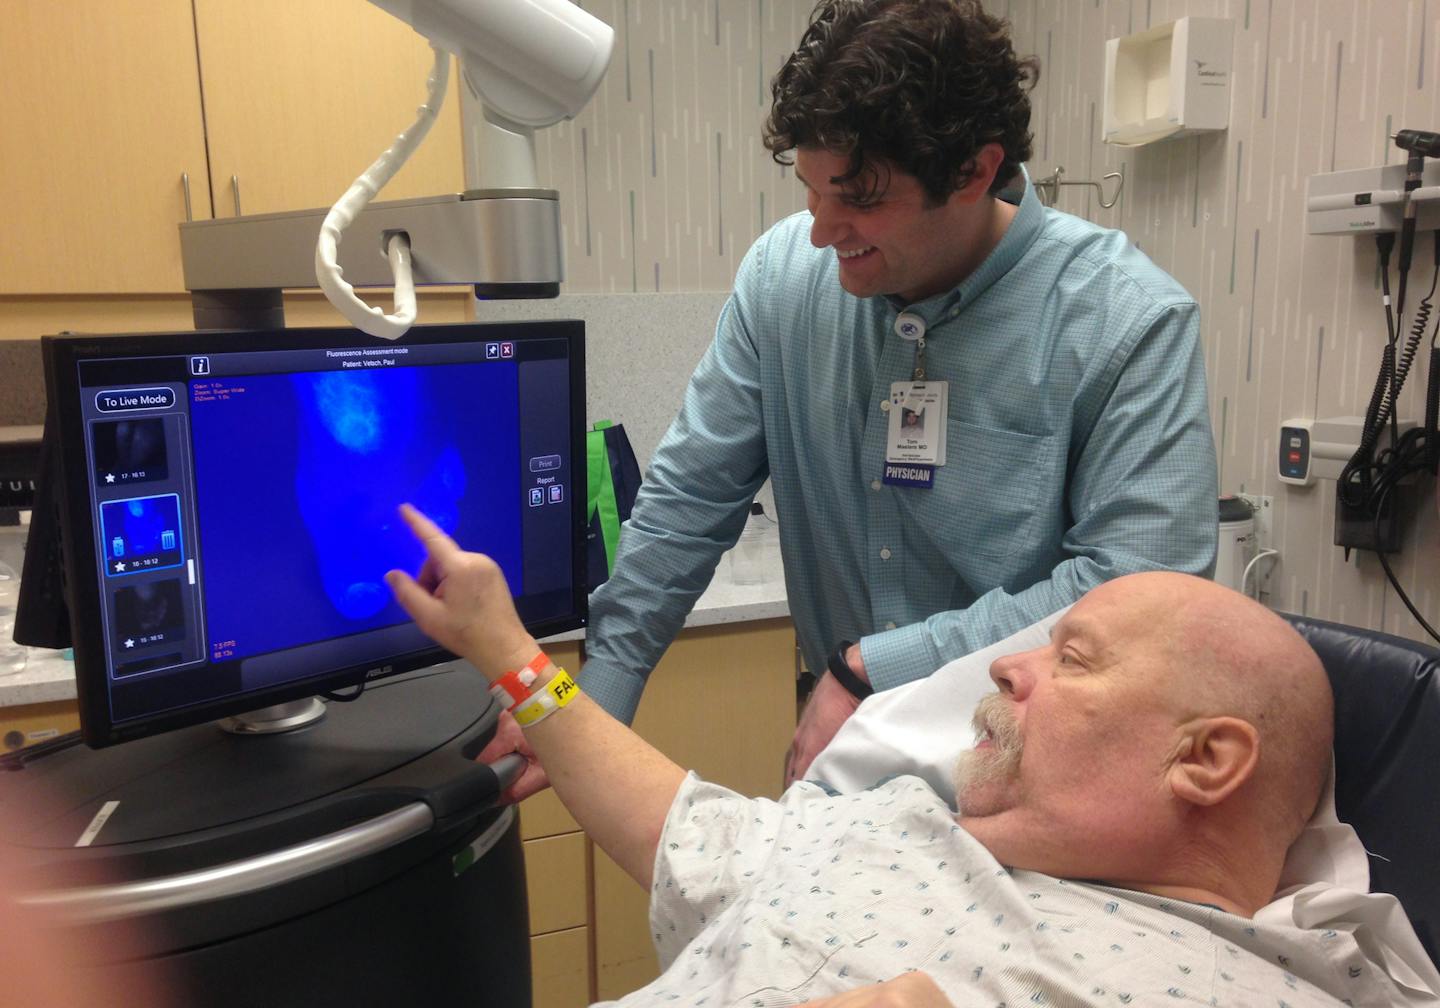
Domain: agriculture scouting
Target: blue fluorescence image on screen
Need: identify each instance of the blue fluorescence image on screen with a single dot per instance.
(141, 534)
(298, 478)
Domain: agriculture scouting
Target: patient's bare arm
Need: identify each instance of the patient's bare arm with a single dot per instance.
(616, 785)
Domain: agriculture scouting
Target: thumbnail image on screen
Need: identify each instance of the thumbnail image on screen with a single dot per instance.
(130, 451)
(141, 534)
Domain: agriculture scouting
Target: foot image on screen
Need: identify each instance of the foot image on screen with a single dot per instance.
(365, 446)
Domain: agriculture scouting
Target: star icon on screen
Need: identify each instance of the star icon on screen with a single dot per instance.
(120, 568)
(129, 642)
(109, 477)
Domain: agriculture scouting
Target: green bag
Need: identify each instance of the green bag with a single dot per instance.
(612, 477)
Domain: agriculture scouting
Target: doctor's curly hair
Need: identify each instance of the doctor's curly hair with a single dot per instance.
(920, 84)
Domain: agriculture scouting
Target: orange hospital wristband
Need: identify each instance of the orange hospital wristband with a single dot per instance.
(514, 688)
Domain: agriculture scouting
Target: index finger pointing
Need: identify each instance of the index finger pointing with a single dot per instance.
(432, 535)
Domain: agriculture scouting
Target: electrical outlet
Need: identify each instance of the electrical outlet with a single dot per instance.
(1264, 509)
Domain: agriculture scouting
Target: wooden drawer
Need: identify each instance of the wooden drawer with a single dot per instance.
(560, 969)
(22, 726)
(556, 882)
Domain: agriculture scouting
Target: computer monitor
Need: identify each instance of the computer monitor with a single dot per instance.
(226, 503)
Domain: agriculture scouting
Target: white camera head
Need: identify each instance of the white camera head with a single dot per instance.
(532, 62)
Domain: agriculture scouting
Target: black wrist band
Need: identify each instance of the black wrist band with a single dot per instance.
(840, 669)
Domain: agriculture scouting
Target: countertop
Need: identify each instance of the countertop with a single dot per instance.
(48, 677)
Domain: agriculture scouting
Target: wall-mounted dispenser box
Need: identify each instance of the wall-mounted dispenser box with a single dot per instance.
(1169, 81)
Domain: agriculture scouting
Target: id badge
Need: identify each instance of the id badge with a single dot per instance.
(917, 422)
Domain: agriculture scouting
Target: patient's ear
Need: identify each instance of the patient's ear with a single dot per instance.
(1221, 756)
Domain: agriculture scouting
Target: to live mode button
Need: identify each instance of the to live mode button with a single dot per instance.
(544, 463)
(134, 399)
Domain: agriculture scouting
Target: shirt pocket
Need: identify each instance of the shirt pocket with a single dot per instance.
(988, 493)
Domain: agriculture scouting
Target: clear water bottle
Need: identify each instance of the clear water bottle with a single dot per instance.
(13, 657)
(750, 559)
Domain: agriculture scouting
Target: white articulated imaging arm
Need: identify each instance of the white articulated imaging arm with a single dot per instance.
(531, 63)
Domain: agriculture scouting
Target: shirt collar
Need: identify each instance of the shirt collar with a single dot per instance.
(1022, 232)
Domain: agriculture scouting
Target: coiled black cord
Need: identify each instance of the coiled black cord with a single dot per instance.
(1363, 479)
(1356, 479)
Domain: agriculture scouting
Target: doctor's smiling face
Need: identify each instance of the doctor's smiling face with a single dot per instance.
(890, 237)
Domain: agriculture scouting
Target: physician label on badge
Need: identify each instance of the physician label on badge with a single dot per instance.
(917, 422)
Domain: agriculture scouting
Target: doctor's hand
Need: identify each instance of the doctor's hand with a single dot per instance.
(461, 600)
(829, 707)
(908, 990)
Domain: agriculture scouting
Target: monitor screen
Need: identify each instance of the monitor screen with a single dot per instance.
(229, 503)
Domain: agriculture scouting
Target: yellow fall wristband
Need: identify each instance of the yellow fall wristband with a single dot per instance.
(558, 692)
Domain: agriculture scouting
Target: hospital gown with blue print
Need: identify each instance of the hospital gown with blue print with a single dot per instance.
(762, 903)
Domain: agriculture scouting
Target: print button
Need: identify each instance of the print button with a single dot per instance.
(884, 552)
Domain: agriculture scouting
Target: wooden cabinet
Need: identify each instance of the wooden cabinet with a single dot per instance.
(100, 116)
(108, 103)
(300, 98)
(560, 969)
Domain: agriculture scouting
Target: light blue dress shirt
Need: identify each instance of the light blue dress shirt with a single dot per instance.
(1078, 449)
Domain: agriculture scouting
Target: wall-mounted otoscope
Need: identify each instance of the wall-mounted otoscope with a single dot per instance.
(1418, 144)
(1421, 142)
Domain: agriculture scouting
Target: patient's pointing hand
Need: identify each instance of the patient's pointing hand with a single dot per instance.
(461, 600)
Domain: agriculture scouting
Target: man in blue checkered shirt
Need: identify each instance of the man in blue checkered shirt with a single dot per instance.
(1075, 445)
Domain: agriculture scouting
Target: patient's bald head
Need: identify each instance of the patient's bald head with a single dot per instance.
(1173, 736)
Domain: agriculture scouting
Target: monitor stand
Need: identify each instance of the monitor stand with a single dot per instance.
(276, 718)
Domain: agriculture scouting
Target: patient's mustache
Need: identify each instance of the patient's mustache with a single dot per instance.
(994, 719)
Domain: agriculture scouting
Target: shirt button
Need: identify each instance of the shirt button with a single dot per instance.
(884, 405)
(884, 552)
(875, 484)
(889, 626)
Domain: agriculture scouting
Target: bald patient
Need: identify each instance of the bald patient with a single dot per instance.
(1125, 813)
(1183, 730)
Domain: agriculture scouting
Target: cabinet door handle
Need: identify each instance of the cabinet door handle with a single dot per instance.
(235, 190)
(185, 184)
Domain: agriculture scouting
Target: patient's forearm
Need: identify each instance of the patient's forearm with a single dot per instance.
(616, 785)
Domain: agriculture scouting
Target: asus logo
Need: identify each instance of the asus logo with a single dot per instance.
(376, 673)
